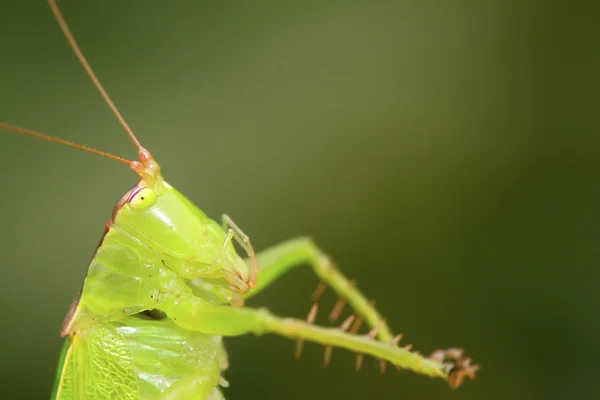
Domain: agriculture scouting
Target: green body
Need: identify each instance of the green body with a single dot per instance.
(165, 285)
(114, 350)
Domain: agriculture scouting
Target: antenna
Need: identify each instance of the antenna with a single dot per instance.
(132, 164)
(90, 72)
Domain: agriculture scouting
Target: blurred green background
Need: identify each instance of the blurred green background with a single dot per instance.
(444, 153)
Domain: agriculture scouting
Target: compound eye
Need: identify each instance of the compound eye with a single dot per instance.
(142, 198)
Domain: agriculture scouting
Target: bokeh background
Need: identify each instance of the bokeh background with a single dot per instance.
(444, 153)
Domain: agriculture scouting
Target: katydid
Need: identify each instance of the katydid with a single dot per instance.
(166, 284)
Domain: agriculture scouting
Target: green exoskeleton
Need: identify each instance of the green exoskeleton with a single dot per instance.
(166, 284)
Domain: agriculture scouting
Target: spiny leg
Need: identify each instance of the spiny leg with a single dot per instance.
(244, 241)
(279, 259)
(196, 314)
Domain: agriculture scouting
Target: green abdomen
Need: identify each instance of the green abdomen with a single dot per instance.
(139, 358)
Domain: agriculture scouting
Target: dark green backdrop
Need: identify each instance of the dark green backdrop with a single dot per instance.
(444, 153)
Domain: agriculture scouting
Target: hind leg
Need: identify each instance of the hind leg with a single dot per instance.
(279, 259)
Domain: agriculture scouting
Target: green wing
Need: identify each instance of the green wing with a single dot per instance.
(97, 365)
(61, 388)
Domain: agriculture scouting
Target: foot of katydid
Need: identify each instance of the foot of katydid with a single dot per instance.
(460, 367)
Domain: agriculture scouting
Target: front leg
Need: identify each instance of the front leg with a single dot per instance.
(244, 241)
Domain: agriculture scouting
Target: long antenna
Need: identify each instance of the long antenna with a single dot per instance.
(40, 135)
(90, 72)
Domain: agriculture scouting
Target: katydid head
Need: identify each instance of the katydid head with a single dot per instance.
(188, 242)
(164, 220)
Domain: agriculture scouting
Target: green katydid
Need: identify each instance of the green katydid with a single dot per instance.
(166, 284)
